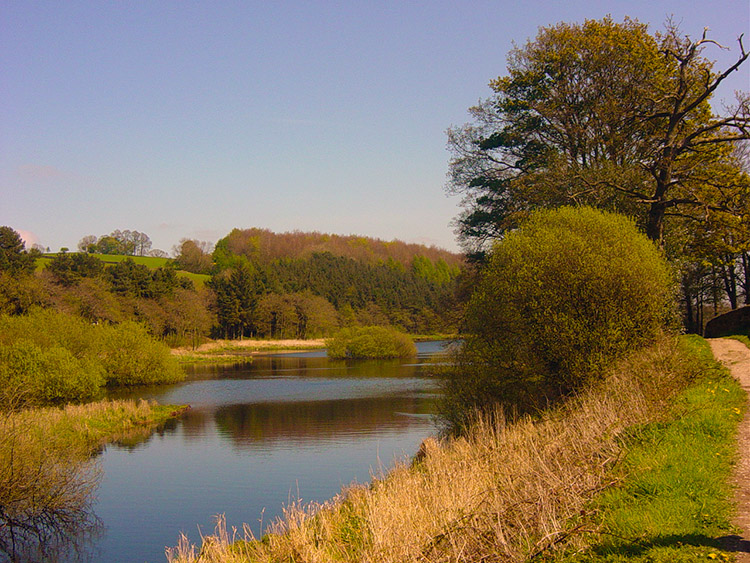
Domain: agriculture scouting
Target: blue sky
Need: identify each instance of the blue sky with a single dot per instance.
(187, 119)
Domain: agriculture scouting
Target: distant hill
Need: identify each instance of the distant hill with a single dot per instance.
(262, 279)
(263, 246)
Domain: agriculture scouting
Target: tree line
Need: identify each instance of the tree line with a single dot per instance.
(311, 295)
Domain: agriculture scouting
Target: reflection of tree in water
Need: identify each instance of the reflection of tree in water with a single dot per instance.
(45, 498)
(309, 421)
(140, 435)
(290, 365)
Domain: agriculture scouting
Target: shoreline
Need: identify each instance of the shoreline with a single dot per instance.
(243, 350)
(222, 350)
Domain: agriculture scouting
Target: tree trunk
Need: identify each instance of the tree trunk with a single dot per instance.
(729, 277)
(655, 222)
(690, 322)
(746, 277)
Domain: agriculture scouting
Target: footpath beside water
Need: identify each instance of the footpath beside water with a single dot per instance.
(736, 357)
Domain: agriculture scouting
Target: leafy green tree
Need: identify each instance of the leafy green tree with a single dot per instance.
(193, 256)
(237, 291)
(276, 316)
(68, 268)
(604, 114)
(188, 316)
(297, 315)
(163, 283)
(561, 297)
(87, 244)
(127, 242)
(14, 259)
(128, 278)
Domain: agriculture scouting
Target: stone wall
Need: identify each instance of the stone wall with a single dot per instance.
(733, 322)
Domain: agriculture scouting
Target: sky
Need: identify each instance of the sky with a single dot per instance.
(188, 119)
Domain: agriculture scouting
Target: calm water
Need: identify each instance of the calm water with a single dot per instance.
(284, 428)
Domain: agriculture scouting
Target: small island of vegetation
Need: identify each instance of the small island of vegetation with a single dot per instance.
(370, 342)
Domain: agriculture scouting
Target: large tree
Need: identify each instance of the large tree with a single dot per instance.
(605, 114)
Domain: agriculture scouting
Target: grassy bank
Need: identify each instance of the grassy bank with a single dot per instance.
(151, 262)
(85, 428)
(223, 351)
(636, 466)
(672, 502)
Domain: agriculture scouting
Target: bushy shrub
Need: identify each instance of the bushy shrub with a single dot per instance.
(570, 291)
(48, 357)
(370, 342)
(48, 328)
(30, 375)
(133, 357)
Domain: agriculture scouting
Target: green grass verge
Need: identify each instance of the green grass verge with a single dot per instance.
(674, 501)
(742, 338)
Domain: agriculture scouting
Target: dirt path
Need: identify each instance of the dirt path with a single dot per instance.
(736, 356)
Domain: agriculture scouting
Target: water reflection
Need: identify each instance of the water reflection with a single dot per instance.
(257, 436)
(303, 422)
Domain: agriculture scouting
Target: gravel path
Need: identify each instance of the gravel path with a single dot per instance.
(736, 356)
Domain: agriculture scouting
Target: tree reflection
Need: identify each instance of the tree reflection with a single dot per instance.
(45, 498)
(309, 421)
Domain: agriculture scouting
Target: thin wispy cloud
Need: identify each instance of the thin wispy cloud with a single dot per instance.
(42, 173)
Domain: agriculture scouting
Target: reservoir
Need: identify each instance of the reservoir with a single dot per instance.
(284, 428)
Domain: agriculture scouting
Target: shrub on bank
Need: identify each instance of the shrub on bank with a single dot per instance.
(371, 342)
(48, 357)
(133, 357)
(32, 375)
(560, 299)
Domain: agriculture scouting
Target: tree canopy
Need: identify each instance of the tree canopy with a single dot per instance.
(603, 114)
(127, 242)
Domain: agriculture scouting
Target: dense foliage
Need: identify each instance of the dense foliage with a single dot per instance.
(370, 342)
(289, 285)
(308, 284)
(262, 246)
(610, 115)
(127, 242)
(606, 114)
(14, 259)
(560, 298)
(49, 357)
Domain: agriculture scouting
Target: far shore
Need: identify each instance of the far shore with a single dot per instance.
(222, 350)
(230, 349)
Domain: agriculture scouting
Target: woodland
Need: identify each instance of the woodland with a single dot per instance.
(252, 283)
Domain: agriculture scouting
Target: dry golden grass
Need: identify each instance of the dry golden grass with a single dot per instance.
(508, 492)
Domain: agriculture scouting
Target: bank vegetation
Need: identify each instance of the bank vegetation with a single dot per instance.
(48, 476)
(634, 467)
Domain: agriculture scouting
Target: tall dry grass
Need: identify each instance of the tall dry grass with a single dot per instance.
(508, 492)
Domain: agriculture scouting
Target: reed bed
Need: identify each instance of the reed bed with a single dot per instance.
(511, 491)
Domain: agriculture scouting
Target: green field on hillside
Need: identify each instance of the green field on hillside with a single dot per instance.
(152, 262)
